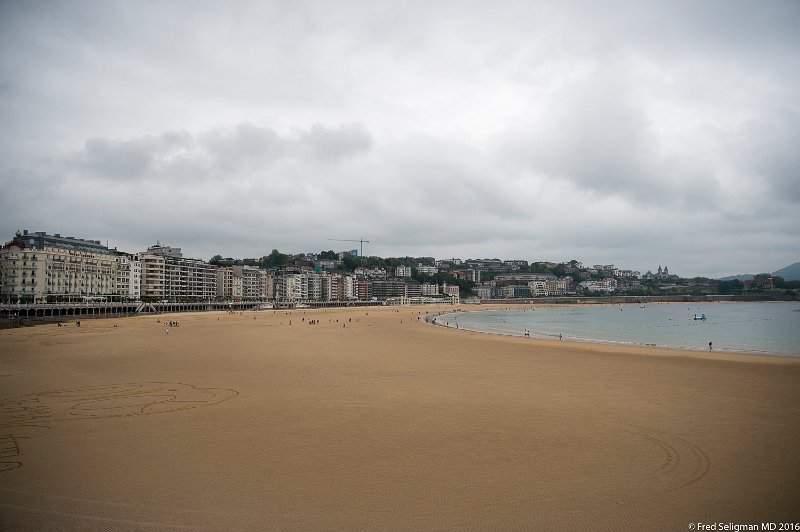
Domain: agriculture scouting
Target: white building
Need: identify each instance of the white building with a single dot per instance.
(539, 288)
(450, 290)
(606, 285)
(402, 271)
(427, 270)
(430, 289)
(129, 276)
(37, 265)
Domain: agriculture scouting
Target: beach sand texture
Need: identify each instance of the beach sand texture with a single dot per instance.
(230, 422)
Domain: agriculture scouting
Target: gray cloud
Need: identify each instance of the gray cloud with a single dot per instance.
(628, 132)
(227, 153)
(767, 148)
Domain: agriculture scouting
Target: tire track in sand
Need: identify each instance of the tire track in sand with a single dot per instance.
(684, 463)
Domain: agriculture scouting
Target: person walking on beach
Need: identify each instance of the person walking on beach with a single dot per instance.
(710, 347)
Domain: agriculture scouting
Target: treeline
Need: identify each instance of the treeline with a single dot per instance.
(276, 259)
(735, 286)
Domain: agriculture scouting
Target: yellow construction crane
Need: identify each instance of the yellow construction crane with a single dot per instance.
(360, 240)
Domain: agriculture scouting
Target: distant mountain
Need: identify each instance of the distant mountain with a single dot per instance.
(789, 273)
(740, 276)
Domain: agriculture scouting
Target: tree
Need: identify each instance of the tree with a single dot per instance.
(276, 259)
(729, 287)
(217, 260)
(350, 262)
(329, 255)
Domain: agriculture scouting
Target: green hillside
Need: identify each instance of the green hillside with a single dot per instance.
(789, 273)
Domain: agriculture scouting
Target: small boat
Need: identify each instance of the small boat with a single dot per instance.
(701, 317)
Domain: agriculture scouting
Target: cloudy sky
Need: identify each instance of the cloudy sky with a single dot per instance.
(635, 133)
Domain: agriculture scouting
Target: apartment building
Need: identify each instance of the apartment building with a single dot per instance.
(385, 289)
(450, 290)
(429, 289)
(606, 285)
(184, 278)
(187, 279)
(362, 289)
(153, 276)
(252, 282)
(229, 286)
(484, 292)
(129, 276)
(38, 265)
(427, 270)
(515, 264)
(468, 275)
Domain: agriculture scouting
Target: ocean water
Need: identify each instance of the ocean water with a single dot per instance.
(760, 328)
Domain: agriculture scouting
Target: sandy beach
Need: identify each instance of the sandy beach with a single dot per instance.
(371, 419)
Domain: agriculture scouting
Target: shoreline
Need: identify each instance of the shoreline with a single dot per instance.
(610, 343)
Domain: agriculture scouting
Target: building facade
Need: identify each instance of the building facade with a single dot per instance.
(38, 266)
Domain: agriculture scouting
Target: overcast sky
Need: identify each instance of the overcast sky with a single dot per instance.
(634, 133)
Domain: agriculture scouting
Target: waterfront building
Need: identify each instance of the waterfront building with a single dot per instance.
(153, 276)
(165, 251)
(254, 282)
(184, 278)
(483, 292)
(291, 287)
(430, 289)
(362, 289)
(229, 286)
(606, 285)
(538, 288)
(451, 290)
(303, 287)
(348, 288)
(37, 266)
(413, 289)
(314, 289)
(129, 276)
(385, 289)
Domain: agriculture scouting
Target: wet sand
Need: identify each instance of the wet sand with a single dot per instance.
(230, 422)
